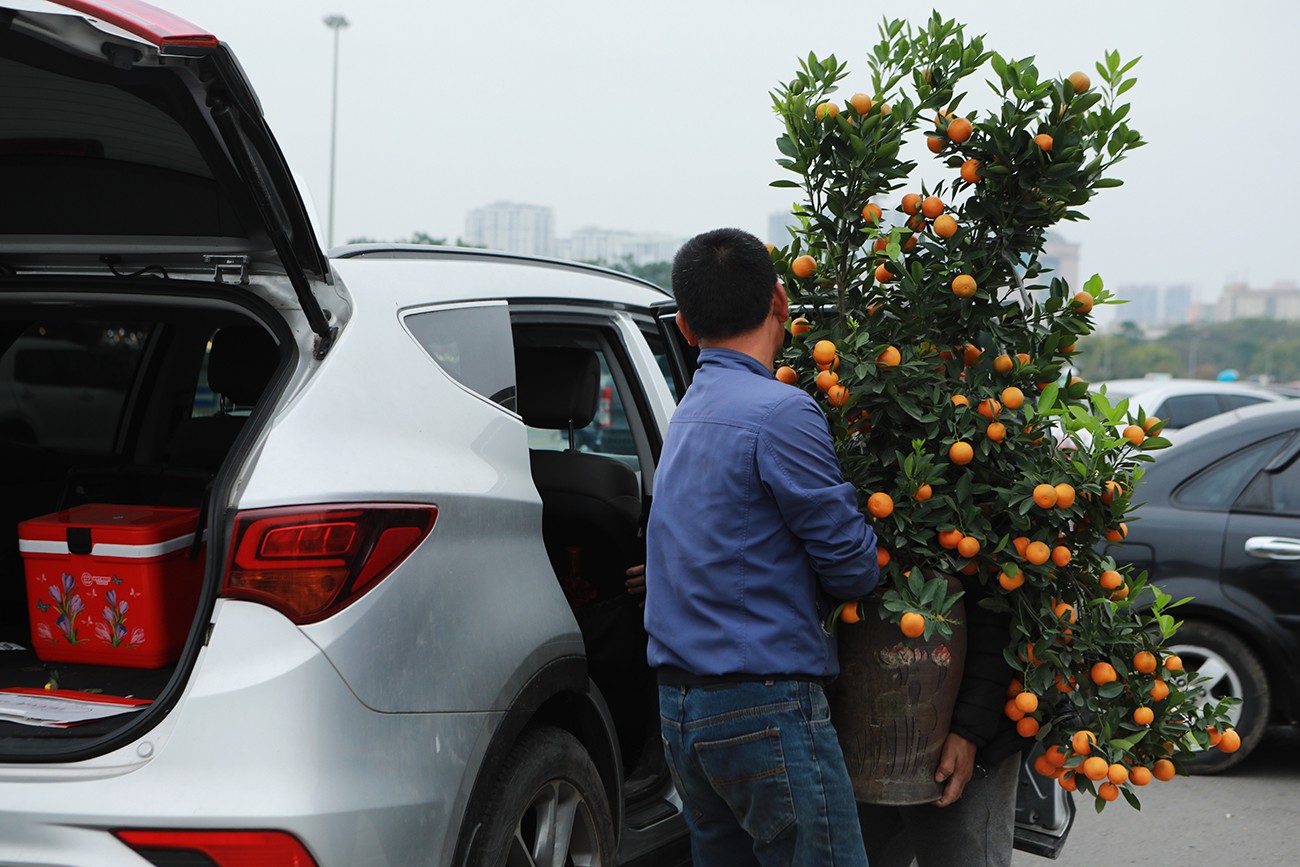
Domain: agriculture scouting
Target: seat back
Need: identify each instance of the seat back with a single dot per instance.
(240, 364)
(591, 505)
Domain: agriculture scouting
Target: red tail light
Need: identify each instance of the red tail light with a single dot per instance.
(310, 562)
(224, 848)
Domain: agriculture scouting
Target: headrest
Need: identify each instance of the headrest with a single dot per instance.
(241, 362)
(557, 386)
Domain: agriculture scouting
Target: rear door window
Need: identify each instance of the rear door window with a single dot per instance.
(1188, 409)
(613, 432)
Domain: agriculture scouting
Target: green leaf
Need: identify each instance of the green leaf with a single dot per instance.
(784, 184)
(787, 147)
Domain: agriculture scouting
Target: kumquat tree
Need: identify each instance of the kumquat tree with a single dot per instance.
(938, 341)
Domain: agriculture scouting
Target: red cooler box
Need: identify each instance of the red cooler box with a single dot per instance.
(111, 585)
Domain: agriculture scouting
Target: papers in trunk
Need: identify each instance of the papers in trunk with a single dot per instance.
(60, 708)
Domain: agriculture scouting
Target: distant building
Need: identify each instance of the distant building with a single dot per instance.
(1063, 258)
(777, 227)
(1178, 304)
(1239, 301)
(513, 227)
(1149, 305)
(593, 244)
(1142, 304)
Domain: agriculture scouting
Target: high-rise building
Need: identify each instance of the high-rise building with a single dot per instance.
(512, 227)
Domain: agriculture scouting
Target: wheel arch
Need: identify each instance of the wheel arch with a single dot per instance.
(560, 694)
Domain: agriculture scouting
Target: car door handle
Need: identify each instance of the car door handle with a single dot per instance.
(1273, 547)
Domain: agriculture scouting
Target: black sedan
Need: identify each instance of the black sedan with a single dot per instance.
(1220, 522)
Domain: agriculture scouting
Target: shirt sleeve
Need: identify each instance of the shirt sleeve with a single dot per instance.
(797, 464)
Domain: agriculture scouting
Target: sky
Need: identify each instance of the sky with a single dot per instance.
(656, 117)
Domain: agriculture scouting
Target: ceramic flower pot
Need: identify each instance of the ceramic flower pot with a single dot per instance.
(892, 705)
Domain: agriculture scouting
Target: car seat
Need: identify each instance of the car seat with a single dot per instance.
(240, 364)
(591, 505)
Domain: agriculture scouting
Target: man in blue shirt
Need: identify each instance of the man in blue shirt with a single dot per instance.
(753, 535)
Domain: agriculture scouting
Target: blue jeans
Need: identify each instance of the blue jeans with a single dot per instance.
(761, 774)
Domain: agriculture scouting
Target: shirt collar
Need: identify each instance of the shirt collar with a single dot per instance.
(733, 360)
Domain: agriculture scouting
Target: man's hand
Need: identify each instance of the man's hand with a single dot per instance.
(635, 582)
(956, 765)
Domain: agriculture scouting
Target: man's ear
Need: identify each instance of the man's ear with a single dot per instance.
(780, 302)
(686, 330)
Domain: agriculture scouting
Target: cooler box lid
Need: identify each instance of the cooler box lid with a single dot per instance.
(105, 530)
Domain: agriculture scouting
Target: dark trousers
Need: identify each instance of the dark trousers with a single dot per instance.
(978, 830)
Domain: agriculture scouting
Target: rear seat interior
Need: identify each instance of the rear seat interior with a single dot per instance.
(167, 455)
(240, 364)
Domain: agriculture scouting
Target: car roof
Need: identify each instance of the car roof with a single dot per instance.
(427, 274)
(1148, 389)
(1207, 441)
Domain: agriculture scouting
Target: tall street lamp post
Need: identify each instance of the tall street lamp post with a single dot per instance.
(335, 23)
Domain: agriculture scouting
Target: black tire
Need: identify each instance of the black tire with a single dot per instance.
(1234, 670)
(548, 808)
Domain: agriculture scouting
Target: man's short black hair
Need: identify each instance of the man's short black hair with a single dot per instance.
(723, 282)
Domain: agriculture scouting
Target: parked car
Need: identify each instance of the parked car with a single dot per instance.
(412, 642)
(1220, 523)
(1183, 402)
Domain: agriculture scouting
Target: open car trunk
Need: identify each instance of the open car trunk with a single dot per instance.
(149, 215)
(139, 399)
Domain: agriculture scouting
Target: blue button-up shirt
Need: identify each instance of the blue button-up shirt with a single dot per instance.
(752, 528)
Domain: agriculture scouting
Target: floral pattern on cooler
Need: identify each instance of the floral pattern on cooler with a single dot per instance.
(68, 605)
(113, 630)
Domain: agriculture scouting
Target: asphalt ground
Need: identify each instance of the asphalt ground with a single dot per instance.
(1249, 815)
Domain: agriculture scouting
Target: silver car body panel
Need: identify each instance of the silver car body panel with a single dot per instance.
(267, 735)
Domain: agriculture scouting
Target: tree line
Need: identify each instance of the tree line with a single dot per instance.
(1264, 348)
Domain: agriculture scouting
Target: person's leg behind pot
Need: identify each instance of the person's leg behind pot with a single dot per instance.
(977, 830)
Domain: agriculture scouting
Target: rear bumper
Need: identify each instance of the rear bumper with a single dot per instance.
(267, 736)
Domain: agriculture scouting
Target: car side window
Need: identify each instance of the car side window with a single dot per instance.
(1237, 401)
(1217, 486)
(1284, 488)
(472, 344)
(1188, 409)
(64, 385)
(1276, 489)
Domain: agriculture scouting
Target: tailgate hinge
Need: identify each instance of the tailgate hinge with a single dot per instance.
(228, 269)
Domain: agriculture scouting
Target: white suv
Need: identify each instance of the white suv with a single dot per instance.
(413, 643)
